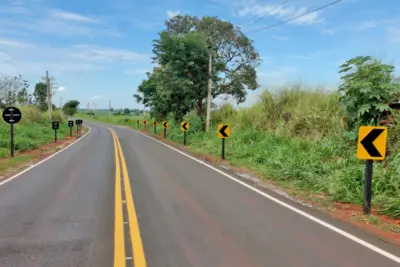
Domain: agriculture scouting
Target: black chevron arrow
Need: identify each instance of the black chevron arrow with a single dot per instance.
(165, 124)
(184, 126)
(222, 131)
(154, 123)
(368, 141)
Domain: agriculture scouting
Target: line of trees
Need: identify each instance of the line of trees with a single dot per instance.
(178, 82)
(14, 90)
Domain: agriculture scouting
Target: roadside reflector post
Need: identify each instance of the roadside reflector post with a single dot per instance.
(70, 125)
(165, 126)
(371, 146)
(55, 126)
(184, 129)
(224, 131)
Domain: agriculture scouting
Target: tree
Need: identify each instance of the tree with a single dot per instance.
(368, 86)
(127, 111)
(71, 107)
(40, 95)
(10, 87)
(234, 57)
(23, 97)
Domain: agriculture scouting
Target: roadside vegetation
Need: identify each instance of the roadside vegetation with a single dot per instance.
(303, 138)
(34, 129)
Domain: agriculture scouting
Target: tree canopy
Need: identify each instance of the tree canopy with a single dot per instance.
(71, 107)
(178, 82)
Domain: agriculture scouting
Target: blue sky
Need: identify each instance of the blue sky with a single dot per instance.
(100, 50)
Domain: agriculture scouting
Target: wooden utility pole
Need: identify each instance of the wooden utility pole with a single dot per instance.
(209, 90)
(49, 85)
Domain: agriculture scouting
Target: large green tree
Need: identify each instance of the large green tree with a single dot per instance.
(40, 95)
(235, 58)
(180, 84)
(71, 107)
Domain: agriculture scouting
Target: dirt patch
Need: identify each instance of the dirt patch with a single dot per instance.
(22, 160)
(376, 224)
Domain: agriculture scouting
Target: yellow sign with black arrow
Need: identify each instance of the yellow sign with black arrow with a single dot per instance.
(184, 126)
(372, 142)
(165, 124)
(145, 122)
(224, 131)
(129, 121)
(154, 123)
(138, 121)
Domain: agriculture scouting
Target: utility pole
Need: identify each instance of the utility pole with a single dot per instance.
(61, 101)
(88, 106)
(95, 107)
(49, 84)
(109, 107)
(209, 88)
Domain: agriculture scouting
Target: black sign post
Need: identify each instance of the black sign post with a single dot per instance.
(70, 125)
(12, 115)
(55, 126)
(78, 125)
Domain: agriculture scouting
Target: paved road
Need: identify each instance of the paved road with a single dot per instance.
(77, 209)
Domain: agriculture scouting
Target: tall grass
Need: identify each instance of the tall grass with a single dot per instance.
(33, 130)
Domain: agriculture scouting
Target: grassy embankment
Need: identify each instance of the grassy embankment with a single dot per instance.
(297, 139)
(31, 132)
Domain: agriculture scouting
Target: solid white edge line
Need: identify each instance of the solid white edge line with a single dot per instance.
(298, 211)
(44, 160)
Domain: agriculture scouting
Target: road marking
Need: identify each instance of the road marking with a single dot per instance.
(42, 161)
(128, 258)
(137, 245)
(119, 238)
(290, 207)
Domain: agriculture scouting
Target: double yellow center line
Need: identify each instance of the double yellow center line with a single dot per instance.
(120, 254)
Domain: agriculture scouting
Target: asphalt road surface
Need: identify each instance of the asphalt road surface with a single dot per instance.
(118, 199)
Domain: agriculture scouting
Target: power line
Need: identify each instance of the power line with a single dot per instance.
(266, 14)
(302, 15)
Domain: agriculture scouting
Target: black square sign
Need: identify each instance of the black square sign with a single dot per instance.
(56, 125)
(70, 123)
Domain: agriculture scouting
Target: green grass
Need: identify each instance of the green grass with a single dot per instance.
(31, 132)
(296, 137)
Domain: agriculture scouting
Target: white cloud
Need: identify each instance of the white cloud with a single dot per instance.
(277, 77)
(32, 61)
(61, 89)
(365, 25)
(96, 53)
(254, 9)
(14, 43)
(95, 97)
(172, 14)
(72, 16)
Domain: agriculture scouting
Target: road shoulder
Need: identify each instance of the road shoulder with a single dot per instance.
(10, 167)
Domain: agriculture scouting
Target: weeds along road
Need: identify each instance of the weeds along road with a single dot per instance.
(118, 198)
